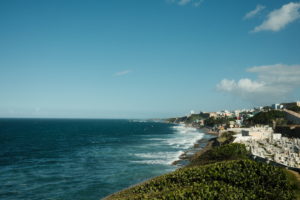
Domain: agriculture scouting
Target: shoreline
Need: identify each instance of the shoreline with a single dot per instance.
(185, 159)
(200, 146)
(209, 131)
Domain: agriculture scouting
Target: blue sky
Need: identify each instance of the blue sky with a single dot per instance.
(140, 59)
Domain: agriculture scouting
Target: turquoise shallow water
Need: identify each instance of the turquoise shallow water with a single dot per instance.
(85, 159)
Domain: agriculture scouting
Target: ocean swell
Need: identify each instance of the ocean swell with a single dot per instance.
(166, 149)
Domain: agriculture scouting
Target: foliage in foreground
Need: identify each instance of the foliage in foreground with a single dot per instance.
(238, 179)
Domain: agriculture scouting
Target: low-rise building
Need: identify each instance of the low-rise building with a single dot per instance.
(277, 106)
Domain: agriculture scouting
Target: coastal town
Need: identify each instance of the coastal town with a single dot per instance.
(270, 133)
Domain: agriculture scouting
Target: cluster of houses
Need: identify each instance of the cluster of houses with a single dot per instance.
(237, 117)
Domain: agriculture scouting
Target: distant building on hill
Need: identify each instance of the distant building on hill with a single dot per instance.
(277, 106)
(208, 114)
(259, 108)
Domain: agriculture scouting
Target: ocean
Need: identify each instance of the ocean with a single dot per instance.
(85, 159)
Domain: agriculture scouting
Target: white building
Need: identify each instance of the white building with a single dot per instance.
(258, 133)
(277, 106)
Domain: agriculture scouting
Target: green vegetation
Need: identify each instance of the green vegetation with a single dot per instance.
(226, 137)
(294, 108)
(193, 118)
(267, 117)
(176, 120)
(212, 121)
(190, 119)
(234, 151)
(239, 179)
(171, 120)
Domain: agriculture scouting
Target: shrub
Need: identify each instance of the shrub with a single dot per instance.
(226, 137)
(233, 151)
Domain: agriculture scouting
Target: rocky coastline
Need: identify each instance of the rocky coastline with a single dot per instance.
(199, 147)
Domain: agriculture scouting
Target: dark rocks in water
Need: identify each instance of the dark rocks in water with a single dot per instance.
(186, 157)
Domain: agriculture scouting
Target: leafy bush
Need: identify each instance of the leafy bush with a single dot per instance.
(226, 137)
(229, 152)
(294, 108)
(233, 151)
(239, 179)
(212, 121)
(193, 118)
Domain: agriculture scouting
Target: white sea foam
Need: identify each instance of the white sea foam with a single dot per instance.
(165, 158)
(139, 121)
(185, 137)
(151, 162)
(156, 139)
(182, 139)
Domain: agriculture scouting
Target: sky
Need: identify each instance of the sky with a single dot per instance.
(146, 59)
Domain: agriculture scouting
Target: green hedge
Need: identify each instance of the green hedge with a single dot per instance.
(233, 151)
(239, 179)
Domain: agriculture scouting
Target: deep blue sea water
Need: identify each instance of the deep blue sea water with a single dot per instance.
(85, 159)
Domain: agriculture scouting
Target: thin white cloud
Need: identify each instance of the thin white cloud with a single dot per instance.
(243, 85)
(278, 74)
(184, 2)
(122, 73)
(195, 3)
(254, 12)
(278, 19)
(274, 84)
(198, 3)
